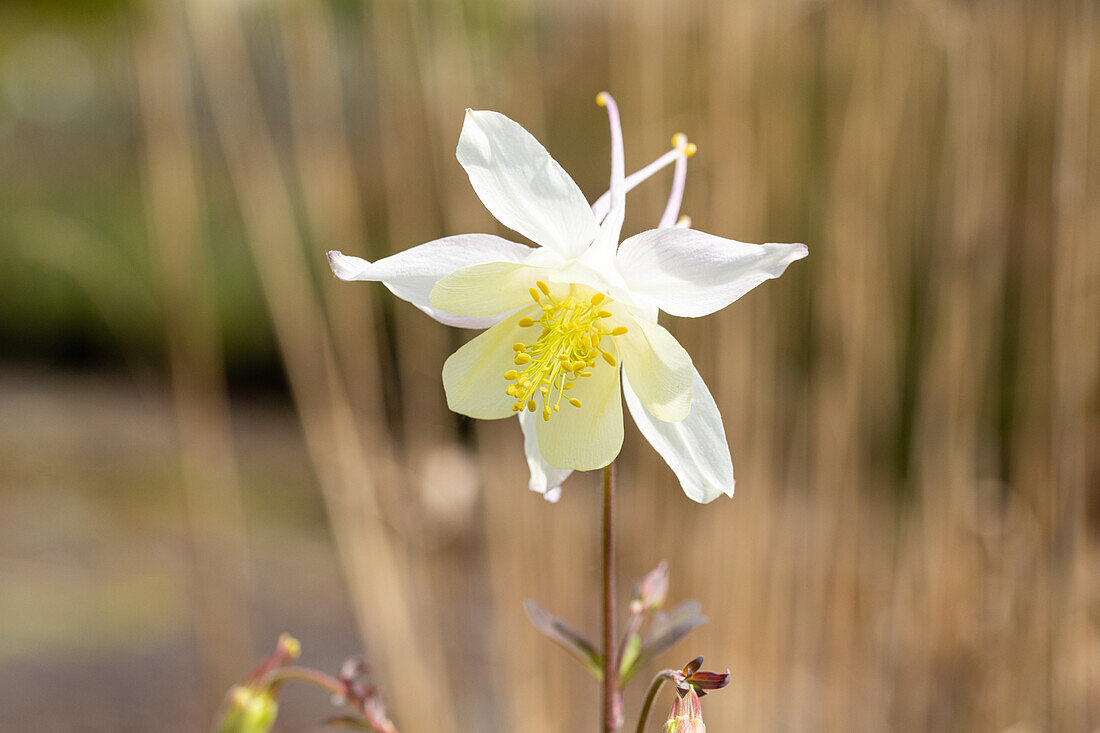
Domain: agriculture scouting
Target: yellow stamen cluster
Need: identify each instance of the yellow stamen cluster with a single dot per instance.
(565, 351)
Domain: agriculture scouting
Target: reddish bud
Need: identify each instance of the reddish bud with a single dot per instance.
(686, 715)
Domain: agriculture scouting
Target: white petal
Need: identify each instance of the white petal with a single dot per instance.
(545, 479)
(412, 274)
(685, 272)
(658, 367)
(522, 186)
(590, 436)
(694, 448)
(487, 289)
(473, 376)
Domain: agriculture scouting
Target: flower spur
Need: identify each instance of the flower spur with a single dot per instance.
(571, 324)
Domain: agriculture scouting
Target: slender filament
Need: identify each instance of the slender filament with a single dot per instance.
(568, 347)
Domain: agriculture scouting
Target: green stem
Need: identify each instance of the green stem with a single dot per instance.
(651, 695)
(610, 666)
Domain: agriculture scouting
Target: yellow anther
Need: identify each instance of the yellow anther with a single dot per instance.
(601, 99)
(691, 149)
(684, 221)
(679, 141)
(566, 350)
(574, 401)
(608, 358)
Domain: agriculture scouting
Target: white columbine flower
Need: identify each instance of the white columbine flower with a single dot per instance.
(572, 323)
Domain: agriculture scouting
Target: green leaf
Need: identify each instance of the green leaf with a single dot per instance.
(667, 629)
(566, 637)
(628, 667)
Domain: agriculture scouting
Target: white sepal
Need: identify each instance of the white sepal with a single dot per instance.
(695, 448)
(411, 274)
(685, 272)
(522, 186)
(545, 479)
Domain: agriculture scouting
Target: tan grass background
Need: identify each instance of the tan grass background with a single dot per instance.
(912, 410)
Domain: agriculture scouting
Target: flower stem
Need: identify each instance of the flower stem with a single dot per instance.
(650, 696)
(304, 674)
(611, 714)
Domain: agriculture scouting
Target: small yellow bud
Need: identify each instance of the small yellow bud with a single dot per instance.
(290, 646)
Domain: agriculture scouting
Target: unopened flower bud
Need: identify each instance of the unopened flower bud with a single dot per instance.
(650, 591)
(686, 715)
(248, 711)
(251, 707)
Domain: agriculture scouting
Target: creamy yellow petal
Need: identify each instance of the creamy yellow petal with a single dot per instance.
(658, 368)
(590, 436)
(473, 376)
(487, 289)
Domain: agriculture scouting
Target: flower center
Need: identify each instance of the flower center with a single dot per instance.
(565, 351)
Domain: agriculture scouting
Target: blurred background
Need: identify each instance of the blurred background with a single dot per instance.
(205, 439)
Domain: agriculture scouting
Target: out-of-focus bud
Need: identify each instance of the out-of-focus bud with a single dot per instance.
(650, 591)
(249, 711)
(253, 706)
(686, 715)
